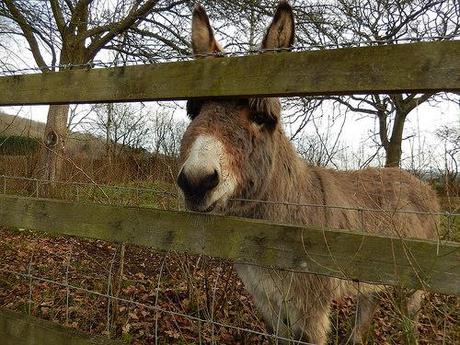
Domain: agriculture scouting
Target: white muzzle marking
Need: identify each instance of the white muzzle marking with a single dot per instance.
(206, 155)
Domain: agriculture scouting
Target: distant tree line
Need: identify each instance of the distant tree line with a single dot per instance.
(75, 32)
(18, 145)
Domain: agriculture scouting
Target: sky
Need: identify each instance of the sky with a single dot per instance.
(421, 125)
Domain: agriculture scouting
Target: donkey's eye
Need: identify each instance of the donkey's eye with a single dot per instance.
(193, 108)
(259, 118)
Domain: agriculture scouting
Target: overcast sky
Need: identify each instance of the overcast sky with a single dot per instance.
(421, 126)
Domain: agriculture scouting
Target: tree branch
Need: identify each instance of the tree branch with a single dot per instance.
(58, 17)
(97, 30)
(351, 107)
(415, 102)
(28, 34)
(167, 42)
(69, 5)
(119, 27)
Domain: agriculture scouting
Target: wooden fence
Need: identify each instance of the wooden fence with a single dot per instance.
(19, 329)
(419, 264)
(421, 67)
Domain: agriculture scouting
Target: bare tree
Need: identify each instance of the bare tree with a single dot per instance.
(322, 146)
(79, 116)
(450, 138)
(166, 133)
(135, 126)
(362, 23)
(63, 34)
(122, 125)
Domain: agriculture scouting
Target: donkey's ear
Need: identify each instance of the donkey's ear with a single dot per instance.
(203, 41)
(280, 33)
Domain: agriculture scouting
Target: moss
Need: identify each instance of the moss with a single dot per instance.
(18, 145)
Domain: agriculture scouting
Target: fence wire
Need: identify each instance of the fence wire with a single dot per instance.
(32, 274)
(175, 57)
(158, 191)
(30, 278)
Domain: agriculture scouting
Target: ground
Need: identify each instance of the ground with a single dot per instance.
(157, 290)
(168, 297)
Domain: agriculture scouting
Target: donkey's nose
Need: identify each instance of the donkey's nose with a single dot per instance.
(197, 186)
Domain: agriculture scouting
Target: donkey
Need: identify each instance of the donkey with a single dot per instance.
(236, 149)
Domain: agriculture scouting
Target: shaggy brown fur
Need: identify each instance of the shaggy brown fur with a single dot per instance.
(266, 167)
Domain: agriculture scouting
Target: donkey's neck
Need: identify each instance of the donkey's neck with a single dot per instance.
(291, 180)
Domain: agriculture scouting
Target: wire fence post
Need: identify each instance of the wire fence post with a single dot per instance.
(37, 187)
(77, 192)
(117, 285)
(110, 295)
(157, 293)
(29, 275)
(67, 295)
(361, 218)
(450, 235)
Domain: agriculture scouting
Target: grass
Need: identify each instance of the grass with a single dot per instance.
(450, 224)
(198, 286)
(156, 194)
(186, 284)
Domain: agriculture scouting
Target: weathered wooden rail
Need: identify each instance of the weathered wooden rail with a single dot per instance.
(421, 67)
(20, 329)
(412, 263)
(421, 264)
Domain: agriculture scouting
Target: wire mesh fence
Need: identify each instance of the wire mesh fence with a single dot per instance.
(174, 57)
(167, 197)
(144, 296)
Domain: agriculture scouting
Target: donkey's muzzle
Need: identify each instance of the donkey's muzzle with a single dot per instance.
(196, 187)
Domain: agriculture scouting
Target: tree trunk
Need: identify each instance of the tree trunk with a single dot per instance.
(54, 141)
(54, 138)
(393, 155)
(393, 149)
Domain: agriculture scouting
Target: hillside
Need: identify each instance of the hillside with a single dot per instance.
(15, 125)
(84, 143)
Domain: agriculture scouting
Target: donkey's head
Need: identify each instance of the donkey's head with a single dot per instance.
(228, 149)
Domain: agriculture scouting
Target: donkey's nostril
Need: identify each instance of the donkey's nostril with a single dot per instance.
(182, 181)
(197, 186)
(210, 181)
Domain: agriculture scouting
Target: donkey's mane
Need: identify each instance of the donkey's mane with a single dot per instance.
(270, 106)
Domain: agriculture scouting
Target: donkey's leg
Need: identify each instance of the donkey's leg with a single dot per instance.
(414, 303)
(409, 306)
(269, 292)
(281, 318)
(316, 326)
(290, 324)
(365, 310)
